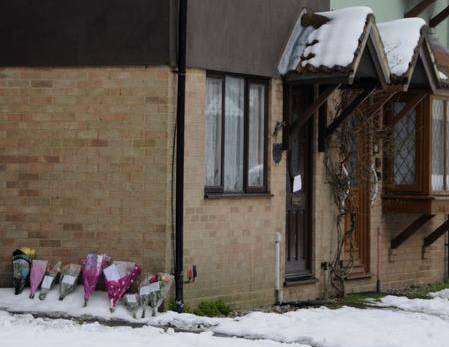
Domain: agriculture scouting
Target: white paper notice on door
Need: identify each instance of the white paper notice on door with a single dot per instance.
(297, 184)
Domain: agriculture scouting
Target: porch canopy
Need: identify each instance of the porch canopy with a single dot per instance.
(342, 46)
(335, 49)
(410, 57)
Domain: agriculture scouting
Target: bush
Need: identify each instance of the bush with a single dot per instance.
(213, 309)
(172, 307)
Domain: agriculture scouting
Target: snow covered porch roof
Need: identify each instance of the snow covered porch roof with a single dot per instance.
(410, 57)
(341, 46)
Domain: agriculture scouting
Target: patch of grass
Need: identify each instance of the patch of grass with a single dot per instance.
(359, 300)
(422, 292)
(173, 307)
(216, 308)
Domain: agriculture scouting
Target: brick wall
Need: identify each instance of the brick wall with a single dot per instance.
(84, 163)
(399, 268)
(230, 240)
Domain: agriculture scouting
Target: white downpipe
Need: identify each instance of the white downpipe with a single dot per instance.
(277, 270)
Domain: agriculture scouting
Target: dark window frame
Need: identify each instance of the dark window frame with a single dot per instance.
(247, 190)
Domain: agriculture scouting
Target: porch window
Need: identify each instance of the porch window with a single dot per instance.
(236, 140)
(418, 172)
(404, 160)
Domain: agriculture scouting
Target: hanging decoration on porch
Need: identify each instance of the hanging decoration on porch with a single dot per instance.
(350, 169)
(49, 281)
(69, 278)
(92, 268)
(38, 268)
(21, 260)
(119, 276)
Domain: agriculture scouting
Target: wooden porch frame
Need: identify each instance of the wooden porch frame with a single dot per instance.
(419, 8)
(433, 22)
(409, 107)
(312, 109)
(410, 230)
(369, 90)
(436, 234)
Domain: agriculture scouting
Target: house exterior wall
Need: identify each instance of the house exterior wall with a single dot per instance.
(395, 269)
(84, 163)
(230, 240)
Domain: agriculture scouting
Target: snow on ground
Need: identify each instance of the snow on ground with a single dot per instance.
(345, 327)
(438, 305)
(400, 322)
(24, 330)
(98, 307)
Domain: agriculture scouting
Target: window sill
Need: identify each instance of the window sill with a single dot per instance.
(297, 281)
(215, 196)
(359, 276)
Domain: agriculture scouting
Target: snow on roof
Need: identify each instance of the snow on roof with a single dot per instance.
(332, 45)
(401, 38)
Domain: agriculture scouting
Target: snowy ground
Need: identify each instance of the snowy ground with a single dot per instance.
(398, 322)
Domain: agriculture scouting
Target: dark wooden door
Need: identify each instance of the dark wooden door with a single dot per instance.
(298, 204)
(359, 172)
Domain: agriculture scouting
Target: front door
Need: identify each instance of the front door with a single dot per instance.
(299, 187)
(357, 248)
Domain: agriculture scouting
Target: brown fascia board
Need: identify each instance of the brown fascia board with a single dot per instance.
(351, 69)
(377, 51)
(406, 78)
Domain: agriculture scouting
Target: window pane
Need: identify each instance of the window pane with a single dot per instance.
(256, 136)
(213, 131)
(438, 145)
(404, 163)
(234, 132)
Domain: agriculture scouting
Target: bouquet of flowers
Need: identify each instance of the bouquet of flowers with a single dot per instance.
(21, 261)
(132, 303)
(154, 290)
(53, 269)
(69, 277)
(119, 276)
(92, 267)
(38, 268)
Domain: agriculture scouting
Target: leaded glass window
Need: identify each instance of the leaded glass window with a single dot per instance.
(404, 162)
(438, 129)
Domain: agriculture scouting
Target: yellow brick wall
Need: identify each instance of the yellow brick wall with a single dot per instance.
(230, 240)
(84, 164)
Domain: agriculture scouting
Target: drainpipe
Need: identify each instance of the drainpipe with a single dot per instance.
(277, 270)
(180, 120)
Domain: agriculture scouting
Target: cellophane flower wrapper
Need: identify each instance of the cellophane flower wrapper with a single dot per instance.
(132, 303)
(49, 281)
(154, 289)
(69, 277)
(119, 276)
(38, 268)
(92, 267)
(21, 261)
(148, 285)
